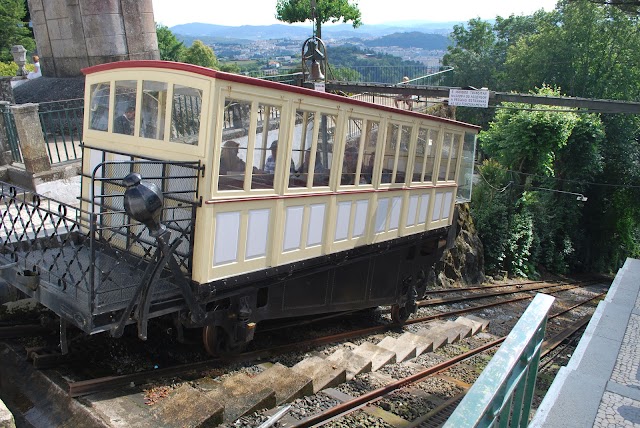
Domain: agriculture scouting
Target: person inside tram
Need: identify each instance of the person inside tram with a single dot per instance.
(320, 173)
(124, 124)
(229, 160)
(270, 165)
(350, 166)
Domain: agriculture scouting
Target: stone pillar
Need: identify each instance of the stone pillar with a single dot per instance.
(6, 91)
(73, 34)
(5, 151)
(20, 57)
(32, 144)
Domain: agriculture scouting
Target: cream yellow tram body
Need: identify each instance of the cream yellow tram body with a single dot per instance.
(278, 201)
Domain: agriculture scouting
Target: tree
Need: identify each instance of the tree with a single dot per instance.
(201, 54)
(14, 29)
(171, 49)
(325, 11)
(551, 156)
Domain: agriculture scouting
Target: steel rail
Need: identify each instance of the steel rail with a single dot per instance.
(90, 386)
(350, 406)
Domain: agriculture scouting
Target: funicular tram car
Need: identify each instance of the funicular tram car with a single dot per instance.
(224, 201)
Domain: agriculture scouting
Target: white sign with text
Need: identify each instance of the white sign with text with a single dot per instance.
(319, 86)
(468, 98)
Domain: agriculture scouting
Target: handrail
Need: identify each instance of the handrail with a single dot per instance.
(503, 393)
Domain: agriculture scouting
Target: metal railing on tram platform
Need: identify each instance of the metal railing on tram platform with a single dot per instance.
(502, 395)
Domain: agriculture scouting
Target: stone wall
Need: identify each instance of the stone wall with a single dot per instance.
(73, 34)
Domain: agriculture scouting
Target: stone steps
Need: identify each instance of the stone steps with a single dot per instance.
(241, 394)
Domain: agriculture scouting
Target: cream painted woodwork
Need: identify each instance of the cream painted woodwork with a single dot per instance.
(402, 180)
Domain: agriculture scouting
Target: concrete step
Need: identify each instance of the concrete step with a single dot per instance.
(323, 373)
(422, 343)
(242, 395)
(405, 350)
(378, 356)
(485, 323)
(187, 406)
(354, 363)
(475, 326)
(436, 334)
(287, 383)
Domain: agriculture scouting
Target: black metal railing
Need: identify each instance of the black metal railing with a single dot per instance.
(95, 256)
(11, 132)
(62, 133)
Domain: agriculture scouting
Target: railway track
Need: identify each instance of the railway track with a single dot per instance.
(219, 366)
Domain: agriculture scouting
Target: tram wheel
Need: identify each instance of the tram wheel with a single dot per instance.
(399, 314)
(215, 340)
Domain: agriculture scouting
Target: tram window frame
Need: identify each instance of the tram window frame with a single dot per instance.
(308, 151)
(424, 162)
(99, 111)
(445, 155)
(125, 96)
(188, 121)
(392, 173)
(455, 154)
(358, 145)
(249, 137)
(153, 91)
(260, 177)
(403, 154)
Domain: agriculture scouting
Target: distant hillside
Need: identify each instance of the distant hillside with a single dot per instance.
(414, 39)
(301, 32)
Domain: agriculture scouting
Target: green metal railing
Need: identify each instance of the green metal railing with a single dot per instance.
(11, 132)
(62, 132)
(502, 395)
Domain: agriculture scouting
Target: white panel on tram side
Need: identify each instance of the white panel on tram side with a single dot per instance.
(381, 215)
(316, 224)
(412, 212)
(396, 207)
(257, 233)
(424, 208)
(95, 158)
(293, 228)
(437, 207)
(342, 221)
(360, 218)
(226, 238)
(448, 197)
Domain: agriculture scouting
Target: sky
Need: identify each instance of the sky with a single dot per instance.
(261, 12)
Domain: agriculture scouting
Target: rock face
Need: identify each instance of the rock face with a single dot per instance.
(464, 263)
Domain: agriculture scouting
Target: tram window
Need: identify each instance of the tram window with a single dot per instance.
(185, 115)
(153, 109)
(370, 147)
(324, 149)
(388, 162)
(403, 154)
(265, 151)
(420, 156)
(301, 149)
(233, 153)
(453, 163)
(352, 156)
(444, 158)
(124, 112)
(431, 156)
(99, 105)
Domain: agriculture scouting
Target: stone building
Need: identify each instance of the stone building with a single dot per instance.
(73, 34)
